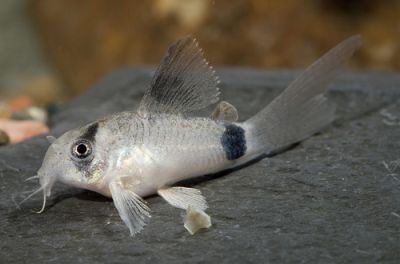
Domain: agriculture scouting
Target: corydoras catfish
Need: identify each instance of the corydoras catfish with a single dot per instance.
(130, 155)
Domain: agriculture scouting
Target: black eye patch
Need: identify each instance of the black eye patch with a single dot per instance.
(82, 149)
(90, 133)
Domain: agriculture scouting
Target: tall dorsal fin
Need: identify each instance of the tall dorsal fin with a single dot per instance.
(183, 82)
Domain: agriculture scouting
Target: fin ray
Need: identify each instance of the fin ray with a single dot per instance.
(183, 197)
(131, 208)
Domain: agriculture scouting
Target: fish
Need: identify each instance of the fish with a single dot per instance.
(130, 155)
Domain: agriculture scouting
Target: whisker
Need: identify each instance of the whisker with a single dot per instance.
(32, 178)
(30, 195)
(44, 203)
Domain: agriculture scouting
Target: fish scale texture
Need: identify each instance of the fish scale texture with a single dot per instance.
(335, 198)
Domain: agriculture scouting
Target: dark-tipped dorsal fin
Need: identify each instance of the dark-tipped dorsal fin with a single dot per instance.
(183, 82)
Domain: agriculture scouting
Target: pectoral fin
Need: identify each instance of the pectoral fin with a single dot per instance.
(225, 111)
(131, 208)
(183, 197)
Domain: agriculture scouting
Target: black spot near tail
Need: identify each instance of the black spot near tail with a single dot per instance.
(233, 141)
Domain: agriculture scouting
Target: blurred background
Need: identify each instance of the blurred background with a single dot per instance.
(52, 50)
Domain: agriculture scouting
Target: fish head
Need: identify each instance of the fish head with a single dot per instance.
(72, 159)
(59, 160)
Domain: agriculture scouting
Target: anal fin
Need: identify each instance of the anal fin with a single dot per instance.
(183, 197)
(131, 208)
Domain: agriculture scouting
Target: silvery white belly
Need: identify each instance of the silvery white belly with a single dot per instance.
(161, 170)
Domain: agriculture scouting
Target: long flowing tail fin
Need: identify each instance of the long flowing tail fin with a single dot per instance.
(301, 109)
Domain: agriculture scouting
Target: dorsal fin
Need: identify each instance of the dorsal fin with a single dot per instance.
(226, 112)
(183, 82)
(51, 139)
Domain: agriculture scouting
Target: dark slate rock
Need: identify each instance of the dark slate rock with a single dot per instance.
(334, 198)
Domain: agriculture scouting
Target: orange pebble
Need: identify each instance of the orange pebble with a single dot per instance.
(19, 103)
(21, 130)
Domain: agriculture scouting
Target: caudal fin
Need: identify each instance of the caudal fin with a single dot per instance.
(301, 109)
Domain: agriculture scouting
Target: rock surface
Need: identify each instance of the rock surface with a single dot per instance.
(333, 198)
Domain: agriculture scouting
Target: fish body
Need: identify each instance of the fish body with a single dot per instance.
(151, 153)
(130, 155)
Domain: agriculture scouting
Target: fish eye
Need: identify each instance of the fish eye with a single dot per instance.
(82, 149)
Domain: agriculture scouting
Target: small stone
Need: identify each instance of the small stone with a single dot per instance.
(21, 130)
(19, 103)
(4, 138)
(30, 113)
